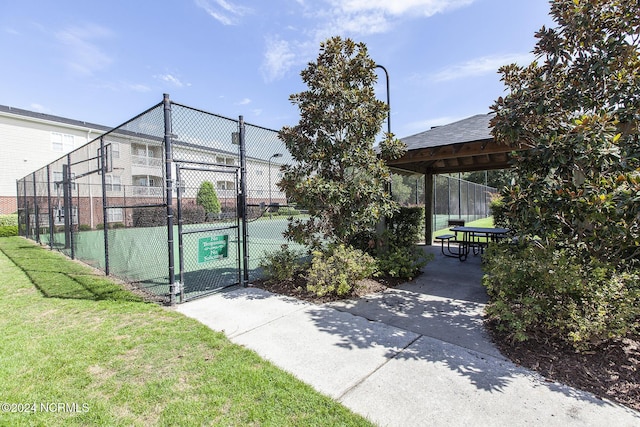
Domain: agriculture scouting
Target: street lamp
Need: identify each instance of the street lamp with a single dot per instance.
(269, 163)
(386, 73)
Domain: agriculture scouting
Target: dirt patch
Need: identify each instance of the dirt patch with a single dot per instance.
(611, 371)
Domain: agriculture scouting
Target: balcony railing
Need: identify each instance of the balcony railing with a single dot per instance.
(154, 162)
(141, 190)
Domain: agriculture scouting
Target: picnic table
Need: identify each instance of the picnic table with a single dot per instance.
(470, 239)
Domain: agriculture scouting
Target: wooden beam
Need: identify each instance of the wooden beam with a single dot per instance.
(467, 149)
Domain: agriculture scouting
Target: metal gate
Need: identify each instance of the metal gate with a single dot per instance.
(209, 250)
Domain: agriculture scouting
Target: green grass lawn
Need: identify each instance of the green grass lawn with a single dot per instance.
(484, 222)
(72, 337)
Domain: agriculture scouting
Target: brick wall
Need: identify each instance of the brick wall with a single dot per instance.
(8, 205)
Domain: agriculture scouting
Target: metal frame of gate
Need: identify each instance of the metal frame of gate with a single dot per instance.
(195, 283)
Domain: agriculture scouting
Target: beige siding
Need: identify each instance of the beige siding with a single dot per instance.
(26, 146)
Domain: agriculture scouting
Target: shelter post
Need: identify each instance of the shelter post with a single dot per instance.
(428, 208)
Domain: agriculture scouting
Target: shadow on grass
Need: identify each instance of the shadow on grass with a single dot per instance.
(57, 277)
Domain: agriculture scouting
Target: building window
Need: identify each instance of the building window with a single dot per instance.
(112, 182)
(225, 160)
(259, 172)
(62, 142)
(114, 215)
(226, 185)
(115, 150)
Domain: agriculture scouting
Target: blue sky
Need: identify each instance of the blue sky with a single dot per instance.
(105, 62)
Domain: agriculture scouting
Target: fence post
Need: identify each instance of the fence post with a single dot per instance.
(49, 210)
(179, 196)
(66, 196)
(243, 200)
(36, 211)
(169, 195)
(103, 179)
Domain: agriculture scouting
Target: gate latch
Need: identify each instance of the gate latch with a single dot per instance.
(177, 288)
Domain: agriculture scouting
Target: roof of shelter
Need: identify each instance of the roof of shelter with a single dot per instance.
(474, 128)
(462, 146)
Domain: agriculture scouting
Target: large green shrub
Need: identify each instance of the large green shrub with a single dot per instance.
(537, 290)
(8, 219)
(208, 199)
(283, 264)
(8, 230)
(149, 217)
(193, 214)
(400, 257)
(497, 208)
(335, 270)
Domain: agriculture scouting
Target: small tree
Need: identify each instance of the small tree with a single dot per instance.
(338, 175)
(577, 109)
(577, 186)
(208, 199)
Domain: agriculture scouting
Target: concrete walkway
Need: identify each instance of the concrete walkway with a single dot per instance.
(416, 355)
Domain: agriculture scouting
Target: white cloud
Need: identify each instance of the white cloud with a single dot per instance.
(479, 66)
(171, 79)
(346, 18)
(278, 59)
(83, 54)
(244, 101)
(400, 7)
(223, 11)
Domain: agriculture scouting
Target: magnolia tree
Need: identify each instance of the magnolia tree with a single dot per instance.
(337, 174)
(577, 109)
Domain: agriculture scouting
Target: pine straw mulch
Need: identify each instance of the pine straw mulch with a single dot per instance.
(611, 371)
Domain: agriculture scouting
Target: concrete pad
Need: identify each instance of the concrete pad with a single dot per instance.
(330, 350)
(443, 384)
(454, 321)
(238, 310)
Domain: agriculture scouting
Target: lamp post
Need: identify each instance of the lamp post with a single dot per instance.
(386, 73)
(269, 171)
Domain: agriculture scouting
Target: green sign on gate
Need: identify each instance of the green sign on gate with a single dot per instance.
(213, 248)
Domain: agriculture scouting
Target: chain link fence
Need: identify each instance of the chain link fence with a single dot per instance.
(454, 198)
(159, 201)
(181, 202)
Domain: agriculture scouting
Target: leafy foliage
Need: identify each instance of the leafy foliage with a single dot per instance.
(338, 176)
(9, 219)
(401, 191)
(577, 186)
(283, 264)
(337, 269)
(8, 230)
(208, 198)
(577, 109)
(539, 291)
(400, 257)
